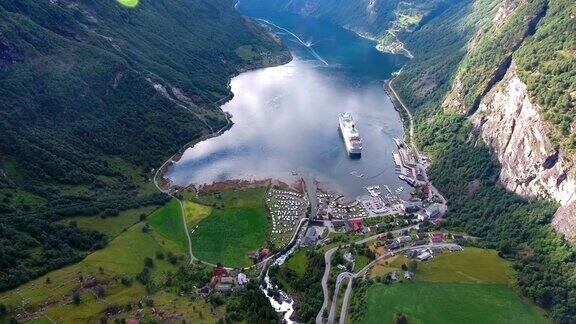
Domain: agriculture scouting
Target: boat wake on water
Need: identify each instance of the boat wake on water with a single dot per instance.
(307, 44)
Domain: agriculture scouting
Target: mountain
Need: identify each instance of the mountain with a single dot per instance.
(492, 85)
(93, 95)
(516, 79)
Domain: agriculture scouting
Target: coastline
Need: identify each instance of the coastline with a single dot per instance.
(159, 178)
(383, 49)
(397, 106)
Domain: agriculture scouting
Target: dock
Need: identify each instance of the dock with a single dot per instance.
(405, 164)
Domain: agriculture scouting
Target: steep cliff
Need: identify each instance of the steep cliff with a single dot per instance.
(536, 156)
(489, 52)
(512, 126)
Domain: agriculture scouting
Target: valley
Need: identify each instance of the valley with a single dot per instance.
(181, 162)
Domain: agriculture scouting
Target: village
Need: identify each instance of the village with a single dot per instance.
(355, 234)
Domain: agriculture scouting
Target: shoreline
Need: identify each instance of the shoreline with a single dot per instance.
(164, 184)
(174, 158)
(382, 49)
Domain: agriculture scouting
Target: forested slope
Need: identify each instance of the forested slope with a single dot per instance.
(92, 97)
(491, 39)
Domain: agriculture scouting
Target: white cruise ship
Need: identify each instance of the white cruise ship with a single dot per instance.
(352, 139)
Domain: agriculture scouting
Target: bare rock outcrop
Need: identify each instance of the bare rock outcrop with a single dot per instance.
(532, 167)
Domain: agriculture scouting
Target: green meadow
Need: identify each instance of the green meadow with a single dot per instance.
(298, 262)
(123, 257)
(474, 285)
(169, 224)
(432, 302)
(236, 227)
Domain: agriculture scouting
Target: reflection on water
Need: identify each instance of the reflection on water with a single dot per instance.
(286, 117)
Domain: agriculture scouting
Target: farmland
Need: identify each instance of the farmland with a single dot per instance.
(430, 302)
(473, 285)
(49, 298)
(235, 227)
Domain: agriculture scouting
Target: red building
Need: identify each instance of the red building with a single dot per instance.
(436, 237)
(356, 224)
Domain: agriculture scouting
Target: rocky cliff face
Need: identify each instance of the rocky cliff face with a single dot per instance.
(490, 51)
(512, 126)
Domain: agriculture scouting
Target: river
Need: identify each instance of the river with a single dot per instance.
(285, 118)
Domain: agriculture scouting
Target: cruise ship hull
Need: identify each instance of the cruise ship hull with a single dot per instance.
(350, 135)
(352, 152)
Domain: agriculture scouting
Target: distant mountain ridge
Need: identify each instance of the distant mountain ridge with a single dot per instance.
(381, 20)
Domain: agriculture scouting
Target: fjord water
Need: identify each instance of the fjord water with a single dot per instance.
(286, 117)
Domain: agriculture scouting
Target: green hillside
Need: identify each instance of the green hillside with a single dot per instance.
(520, 229)
(93, 95)
(547, 64)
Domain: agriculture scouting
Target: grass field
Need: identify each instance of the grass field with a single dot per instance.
(195, 213)
(429, 302)
(228, 233)
(111, 226)
(472, 265)
(124, 255)
(168, 223)
(298, 262)
(474, 285)
(360, 262)
(386, 266)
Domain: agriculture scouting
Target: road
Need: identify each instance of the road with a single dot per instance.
(345, 303)
(434, 190)
(389, 254)
(328, 263)
(182, 209)
(169, 191)
(341, 277)
(410, 118)
(394, 232)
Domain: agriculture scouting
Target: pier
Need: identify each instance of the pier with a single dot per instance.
(406, 165)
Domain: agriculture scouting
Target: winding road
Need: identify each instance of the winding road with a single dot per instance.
(350, 277)
(169, 192)
(341, 277)
(328, 264)
(346, 301)
(327, 261)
